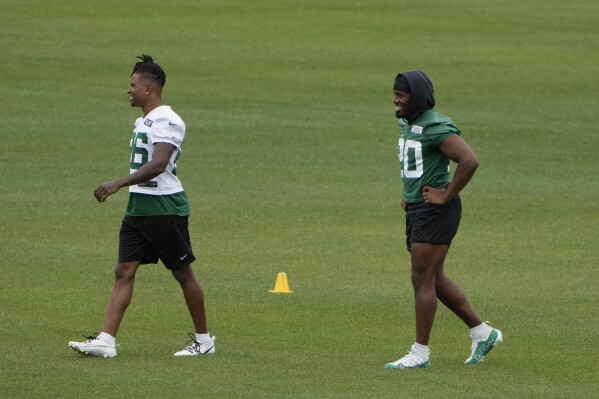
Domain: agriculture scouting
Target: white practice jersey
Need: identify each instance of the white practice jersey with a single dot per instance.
(161, 125)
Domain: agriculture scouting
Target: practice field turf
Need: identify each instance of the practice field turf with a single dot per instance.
(290, 165)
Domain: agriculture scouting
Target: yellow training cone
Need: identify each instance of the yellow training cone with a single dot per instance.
(281, 286)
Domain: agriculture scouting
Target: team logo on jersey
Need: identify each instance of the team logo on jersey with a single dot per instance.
(148, 122)
(417, 129)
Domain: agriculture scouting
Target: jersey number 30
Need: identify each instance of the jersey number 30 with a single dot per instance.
(410, 158)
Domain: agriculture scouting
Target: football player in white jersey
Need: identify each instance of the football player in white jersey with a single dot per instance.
(155, 225)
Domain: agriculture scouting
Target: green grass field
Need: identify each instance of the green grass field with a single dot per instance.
(290, 165)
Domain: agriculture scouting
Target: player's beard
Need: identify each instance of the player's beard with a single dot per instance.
(399, 113)
(402, 109)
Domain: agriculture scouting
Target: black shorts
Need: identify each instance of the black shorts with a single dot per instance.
(149, 238)
(433, 224)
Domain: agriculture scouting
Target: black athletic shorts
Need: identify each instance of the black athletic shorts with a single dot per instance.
(149, 238)
(433, 224)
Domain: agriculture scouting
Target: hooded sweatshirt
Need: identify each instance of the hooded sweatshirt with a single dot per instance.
(421, 161)
(423, 94)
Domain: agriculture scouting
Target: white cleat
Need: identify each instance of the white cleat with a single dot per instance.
(94, 346)
(195, 348)
(409, 361)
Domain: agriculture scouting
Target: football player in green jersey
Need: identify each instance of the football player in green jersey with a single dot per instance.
(155, 225)
(427, 144)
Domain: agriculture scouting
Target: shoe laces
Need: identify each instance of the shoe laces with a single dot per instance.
(474, 345)
(410, 360)
(91, 337)
(193, 345)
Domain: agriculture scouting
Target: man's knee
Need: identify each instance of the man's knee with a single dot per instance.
(421, 278)
(181, 274)
(125, 270)
(423, 272)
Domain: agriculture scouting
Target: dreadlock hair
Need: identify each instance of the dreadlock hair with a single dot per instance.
(150, 69)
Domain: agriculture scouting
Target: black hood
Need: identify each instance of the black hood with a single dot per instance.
(422, 94)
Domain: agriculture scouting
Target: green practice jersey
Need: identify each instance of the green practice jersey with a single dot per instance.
(421, 161)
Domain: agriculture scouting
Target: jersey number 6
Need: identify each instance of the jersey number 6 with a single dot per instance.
(139, 155)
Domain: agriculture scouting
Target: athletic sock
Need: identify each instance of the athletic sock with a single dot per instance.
(204, 339)
(422, 351)
(481, 332)
(109, 339)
